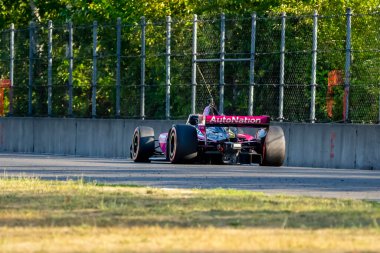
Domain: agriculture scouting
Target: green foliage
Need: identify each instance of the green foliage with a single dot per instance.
(331, 43)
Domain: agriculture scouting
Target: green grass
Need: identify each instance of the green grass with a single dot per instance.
(50, 206)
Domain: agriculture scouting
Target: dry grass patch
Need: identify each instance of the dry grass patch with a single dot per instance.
(210, 239)
(74, 216)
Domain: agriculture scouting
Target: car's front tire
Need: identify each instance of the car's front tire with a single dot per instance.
(142, 147)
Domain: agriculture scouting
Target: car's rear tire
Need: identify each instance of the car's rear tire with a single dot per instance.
(182, 144)
(142, 147)
(274, 147)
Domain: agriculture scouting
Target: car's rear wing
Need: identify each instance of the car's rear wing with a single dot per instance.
(234, 121)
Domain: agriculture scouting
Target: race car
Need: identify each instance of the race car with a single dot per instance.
(216, 139)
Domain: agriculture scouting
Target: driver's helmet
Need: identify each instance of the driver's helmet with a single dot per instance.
(193, 120)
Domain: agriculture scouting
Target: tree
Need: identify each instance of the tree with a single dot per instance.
(82, 13)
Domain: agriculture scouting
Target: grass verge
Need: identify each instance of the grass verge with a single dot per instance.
(74, 216)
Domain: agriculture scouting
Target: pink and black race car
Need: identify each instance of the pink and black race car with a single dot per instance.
(213, 139)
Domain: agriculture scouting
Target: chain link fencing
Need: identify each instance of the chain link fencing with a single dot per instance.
(171, 68)
(365, 75)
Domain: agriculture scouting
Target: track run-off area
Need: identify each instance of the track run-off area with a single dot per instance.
(316, 182)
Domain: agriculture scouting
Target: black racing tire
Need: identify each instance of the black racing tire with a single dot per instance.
(182, 144)
(142, 147)
(273, 153)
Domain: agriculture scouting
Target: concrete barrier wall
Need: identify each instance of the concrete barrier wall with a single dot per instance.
(322, 145)
(310, 145)
(17, 135)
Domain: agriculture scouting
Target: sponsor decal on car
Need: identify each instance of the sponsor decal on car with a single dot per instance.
(235, 120)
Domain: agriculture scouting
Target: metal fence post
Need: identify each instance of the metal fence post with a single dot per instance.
(143, 57)
(71, 66)
(314, 67)
(11, 66)
(194, 65)
(94, 67)
(168, 53)
(282, 69)
(252, 65)
(50, 65)
(347, 74)
(222, 56)
(31, 63)
(118, 61)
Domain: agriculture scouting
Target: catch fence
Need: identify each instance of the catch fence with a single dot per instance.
(309, 68)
